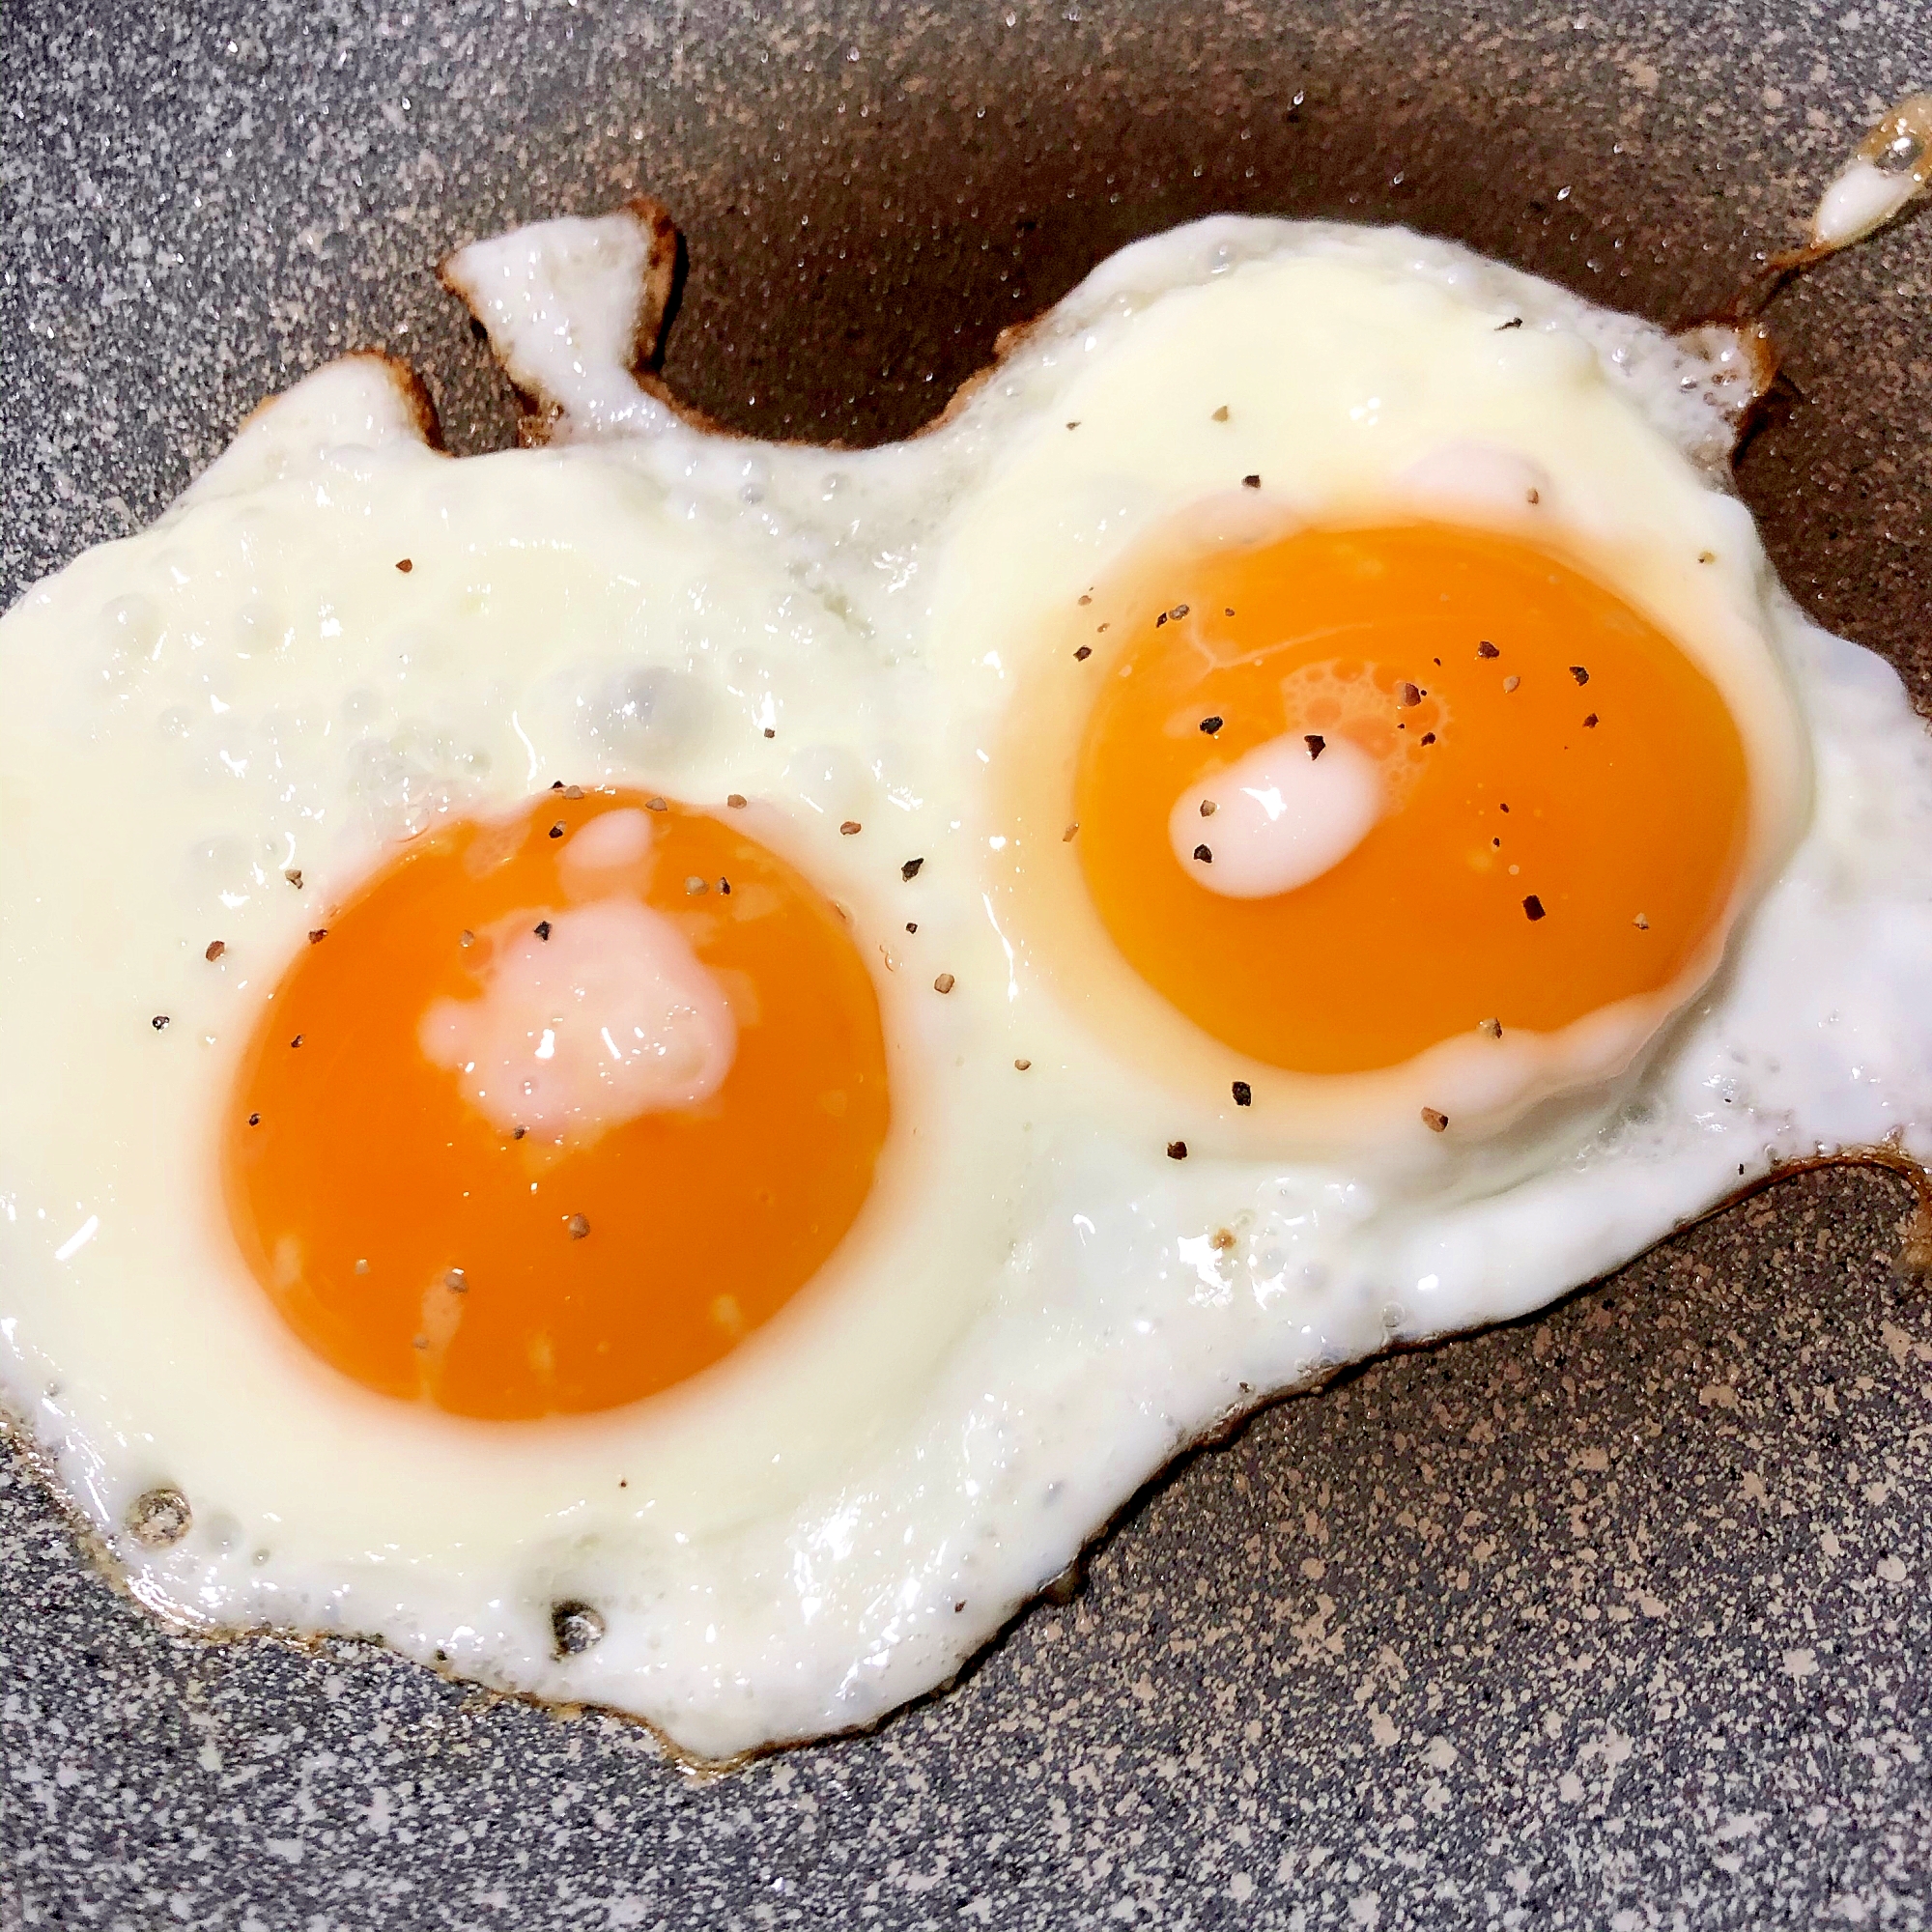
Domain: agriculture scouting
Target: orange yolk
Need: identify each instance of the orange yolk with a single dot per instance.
(435, 1253)
(1564, 794)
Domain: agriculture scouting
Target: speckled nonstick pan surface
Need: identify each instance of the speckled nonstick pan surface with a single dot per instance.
(1615, 1618)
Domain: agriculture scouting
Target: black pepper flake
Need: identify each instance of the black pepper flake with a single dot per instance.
(1085, 598)
(297, 1041)
(1437, 1122)
(658, 804)
(1514, 321)
(404, 565)
(1211, 725)
(1021, 1065)
(1590, 723)
(317, 934)
(1209, 808)
(910, 869)
(542, 929)
(1205, 857)
(1221, 415)
(1066, 836)
(1177, 1150)
(556, 784)
(1407, 695)
(1511, 682)
(576, 1227)
(457, 1282)
(254, 1120)
(724, 887)
(1428, 737)
(1085, 652)
(1317, 743)
(517, 1133)
(1244, 1095)
(1579, 674)
(1179, 611)
(1160, 620)
(912, 925)
(944, 983)
(850, 826)
(573, 791)
(1073, 425)
(1485, 649)
(216, 949)
(556, 830)
(1533, 907)
(694, 885)
(769, 732)
(160, 1022)
(294, 876)
(1251, 482)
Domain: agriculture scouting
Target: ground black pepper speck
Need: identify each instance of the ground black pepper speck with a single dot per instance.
(1611, 1619)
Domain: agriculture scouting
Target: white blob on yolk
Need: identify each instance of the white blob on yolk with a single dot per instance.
(588, 1017)
(1277, 817)
(619, 837)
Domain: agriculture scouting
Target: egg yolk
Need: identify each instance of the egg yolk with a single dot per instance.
(1454, 783)
(556, 1109)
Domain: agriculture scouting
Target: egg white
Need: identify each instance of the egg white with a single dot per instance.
(1036, 1308)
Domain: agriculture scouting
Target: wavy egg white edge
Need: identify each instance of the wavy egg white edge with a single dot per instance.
(833, 1519)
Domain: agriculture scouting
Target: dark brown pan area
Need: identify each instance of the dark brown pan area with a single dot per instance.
(1619, 1612)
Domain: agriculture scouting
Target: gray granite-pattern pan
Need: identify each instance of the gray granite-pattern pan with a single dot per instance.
(1612, 1619)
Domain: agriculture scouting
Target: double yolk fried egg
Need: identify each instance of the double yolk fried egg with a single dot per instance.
(660, 1069)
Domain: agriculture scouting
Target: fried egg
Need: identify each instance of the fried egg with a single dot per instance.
(660, 1070)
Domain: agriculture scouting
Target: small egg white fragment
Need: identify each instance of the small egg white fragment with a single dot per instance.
(1038, 1306)
(1277, 817)
(586, 1018)
(583, 304)
(1890, 169)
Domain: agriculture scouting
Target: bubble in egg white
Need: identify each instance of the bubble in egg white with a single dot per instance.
(829, 779)
(135, 624)
(649, 713)
(408, 782)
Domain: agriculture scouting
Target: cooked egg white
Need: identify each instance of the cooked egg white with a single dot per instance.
(1081, 1247)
